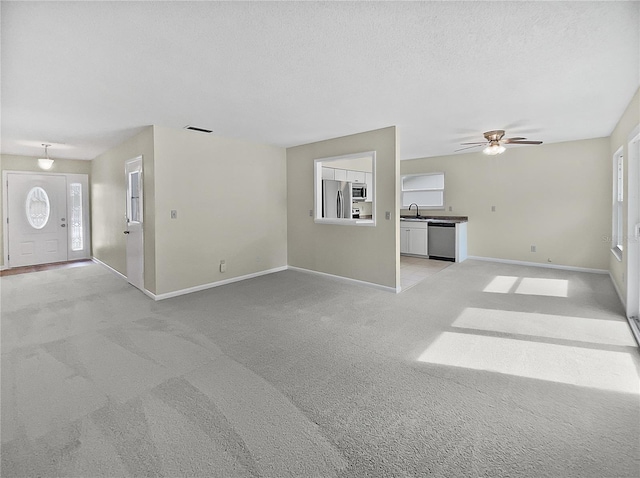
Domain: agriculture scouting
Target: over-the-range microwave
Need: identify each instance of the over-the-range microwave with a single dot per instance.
(358, 191)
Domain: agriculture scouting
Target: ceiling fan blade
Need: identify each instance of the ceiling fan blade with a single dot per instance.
(525, 142)
(483, 142)
(469, 147)
(509, 140)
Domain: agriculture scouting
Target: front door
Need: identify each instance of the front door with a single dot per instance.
(135, 221)
(37, 219)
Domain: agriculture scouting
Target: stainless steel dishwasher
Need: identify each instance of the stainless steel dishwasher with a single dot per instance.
(442, 241)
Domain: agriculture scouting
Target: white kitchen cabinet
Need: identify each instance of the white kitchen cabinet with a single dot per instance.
(404, 239)
(356, 176)
(368, 180)
(340, 174)
(413, 238)
(328, 173)
(461, 241)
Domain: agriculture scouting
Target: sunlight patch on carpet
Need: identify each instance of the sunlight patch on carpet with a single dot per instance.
(584, 367)
(528, 286)
(501, 284)
(548, 287)
(597, 331)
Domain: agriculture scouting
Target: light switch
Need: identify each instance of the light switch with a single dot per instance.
(174, 214)
(387, 215)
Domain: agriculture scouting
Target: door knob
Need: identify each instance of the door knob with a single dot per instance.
(63, 225)
(126, 232)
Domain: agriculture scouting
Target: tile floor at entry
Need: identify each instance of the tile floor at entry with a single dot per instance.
(415, 269)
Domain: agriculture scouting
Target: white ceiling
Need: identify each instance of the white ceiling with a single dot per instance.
(85, 76)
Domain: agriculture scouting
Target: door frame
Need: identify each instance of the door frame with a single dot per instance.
(83, 179)
(633, 219)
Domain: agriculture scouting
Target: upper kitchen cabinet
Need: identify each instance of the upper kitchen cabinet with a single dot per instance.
(356, 176)
(328, 173)
(368, 180)
(340, 175)
(344, 189)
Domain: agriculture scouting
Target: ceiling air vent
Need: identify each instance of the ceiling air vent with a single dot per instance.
(194, 128)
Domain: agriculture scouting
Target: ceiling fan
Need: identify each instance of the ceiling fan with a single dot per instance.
(494, 142)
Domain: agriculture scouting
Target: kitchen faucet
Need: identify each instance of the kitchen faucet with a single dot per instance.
(417, 210)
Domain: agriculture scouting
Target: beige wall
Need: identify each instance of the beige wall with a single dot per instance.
(554, 196)
(230, 198)
(108, 190)
(26, 163)
(620, 137)
(364, 253)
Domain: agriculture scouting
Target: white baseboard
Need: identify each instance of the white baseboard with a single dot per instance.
(618, 291)
(122, 276)
(540, 264)
(98, 261)
(189, 290)
(3, 267)
(395, 290)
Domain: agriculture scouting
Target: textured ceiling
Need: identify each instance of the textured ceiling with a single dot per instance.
(87, 75)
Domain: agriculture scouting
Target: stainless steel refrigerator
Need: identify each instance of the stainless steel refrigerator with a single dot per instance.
(336, 199)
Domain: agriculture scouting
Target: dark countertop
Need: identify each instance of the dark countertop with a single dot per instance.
(435, 218)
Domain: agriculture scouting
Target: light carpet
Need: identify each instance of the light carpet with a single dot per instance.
(482, 369)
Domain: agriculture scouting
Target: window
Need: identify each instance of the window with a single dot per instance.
(618, 204)
(75, 223)
(425, 190)
(37, 208)
(135, 212)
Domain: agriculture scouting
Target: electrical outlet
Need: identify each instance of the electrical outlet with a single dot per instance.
(450, 208)
(310, 212)
(493, 209)
(174, 214)
(223, 266)
(533, 248)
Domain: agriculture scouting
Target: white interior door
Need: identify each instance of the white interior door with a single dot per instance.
(135, 222)
(37, 221)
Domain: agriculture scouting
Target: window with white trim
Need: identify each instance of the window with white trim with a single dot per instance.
(618, 204)
(75, 222)
(425, 190)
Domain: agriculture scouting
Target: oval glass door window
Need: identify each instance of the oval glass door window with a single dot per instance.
(38, 207)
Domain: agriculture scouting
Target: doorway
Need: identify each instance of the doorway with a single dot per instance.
(135, 222)
(47, 218)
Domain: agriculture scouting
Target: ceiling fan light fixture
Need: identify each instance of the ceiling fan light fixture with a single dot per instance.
(494, 149)
(45, 163)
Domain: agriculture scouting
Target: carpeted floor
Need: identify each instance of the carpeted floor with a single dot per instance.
(482, 369)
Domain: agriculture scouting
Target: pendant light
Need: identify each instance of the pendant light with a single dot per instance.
(45, 163)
